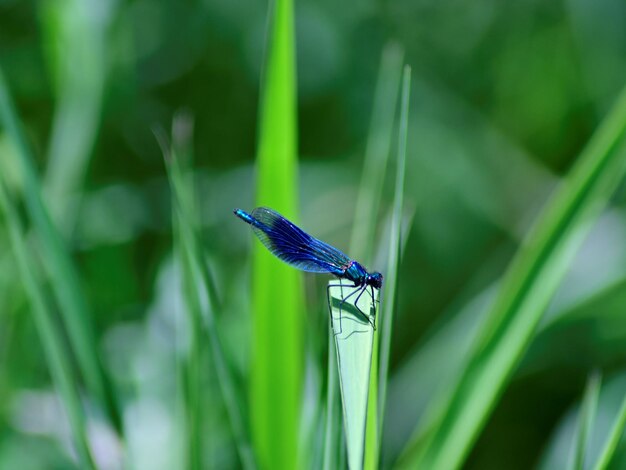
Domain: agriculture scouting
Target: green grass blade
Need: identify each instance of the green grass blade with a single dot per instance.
(63, 276)
(76, 51)
(395, 243)
(382, 337)
(586, 417)
(198, 285)
(277, 350)
(368, 200)
(191, 364)
(526, 291)
(372, 441)
(332, 430)
(354, 340)
(610, 445)
(376, 153)
(57, 356)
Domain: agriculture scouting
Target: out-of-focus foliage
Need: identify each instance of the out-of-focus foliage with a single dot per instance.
(504, 97)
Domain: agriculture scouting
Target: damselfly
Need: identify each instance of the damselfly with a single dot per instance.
(299, 249)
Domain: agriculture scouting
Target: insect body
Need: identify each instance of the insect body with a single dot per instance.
(299, 249)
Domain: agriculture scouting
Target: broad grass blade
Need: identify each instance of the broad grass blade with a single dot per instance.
(277, 358)
(354, 341)
(526, 290)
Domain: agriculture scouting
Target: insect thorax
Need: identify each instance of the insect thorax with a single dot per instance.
(355, 273)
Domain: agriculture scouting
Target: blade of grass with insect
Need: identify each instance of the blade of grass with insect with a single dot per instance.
(395, 244)
(370, 190)
(60, 269)
(202, 302)
(613, 439)
(56, 354)
(586, 416)
(456, 420)
(368, 200)
(354, 338)
(277, 349)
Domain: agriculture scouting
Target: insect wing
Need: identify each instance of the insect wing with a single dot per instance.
(296, 247)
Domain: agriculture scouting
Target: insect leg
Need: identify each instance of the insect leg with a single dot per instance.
(360, 312)
(367, 317)
(344, 300)
(374, 302)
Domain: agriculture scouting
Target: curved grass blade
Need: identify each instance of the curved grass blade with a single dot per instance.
(198, 288)
(525, 293)
(57, 356)
(63, 276)
(610, 445)
(277, 349)
(586, 417)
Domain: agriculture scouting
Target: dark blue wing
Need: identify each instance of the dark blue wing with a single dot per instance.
(296, 247)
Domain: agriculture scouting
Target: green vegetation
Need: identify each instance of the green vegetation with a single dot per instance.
(142, 325)
(277, 364)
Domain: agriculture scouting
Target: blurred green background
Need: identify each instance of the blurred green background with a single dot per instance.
(504, 97)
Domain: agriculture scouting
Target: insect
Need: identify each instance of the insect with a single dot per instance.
(299, 249)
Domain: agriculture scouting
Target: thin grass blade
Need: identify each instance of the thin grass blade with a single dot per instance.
(332, 429)
(376, 153)
(277, 349)
(378, 385)
(202, 303)
(367, 205)
(613, 439)
(368, 200)
(192, 361)
(524, 295)
(57, 356)
(395, 244)
(63, 276)
(586, 418)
